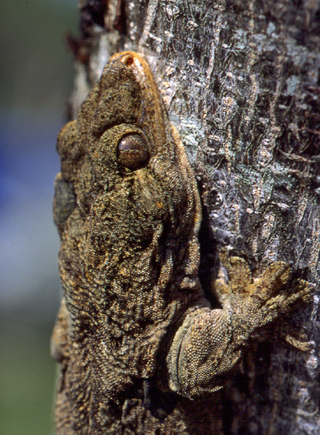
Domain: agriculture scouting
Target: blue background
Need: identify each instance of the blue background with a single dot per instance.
(36, 78)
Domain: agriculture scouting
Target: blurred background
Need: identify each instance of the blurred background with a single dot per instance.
(36, 81)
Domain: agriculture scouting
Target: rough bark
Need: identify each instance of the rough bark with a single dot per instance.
(240, 80)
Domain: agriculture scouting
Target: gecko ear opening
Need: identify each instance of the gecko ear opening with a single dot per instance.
(133, 151)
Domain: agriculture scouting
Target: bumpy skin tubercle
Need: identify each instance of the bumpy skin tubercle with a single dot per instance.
(135, 337)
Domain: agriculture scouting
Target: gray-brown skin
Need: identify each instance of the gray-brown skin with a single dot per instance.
(140, 349)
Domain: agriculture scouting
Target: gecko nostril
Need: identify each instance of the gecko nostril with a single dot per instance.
(128, 60)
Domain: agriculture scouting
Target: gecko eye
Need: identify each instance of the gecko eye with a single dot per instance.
(133, 151)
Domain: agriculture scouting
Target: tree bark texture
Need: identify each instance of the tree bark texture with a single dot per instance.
(240, 80)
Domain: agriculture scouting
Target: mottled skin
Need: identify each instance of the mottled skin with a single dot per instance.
(136, 339)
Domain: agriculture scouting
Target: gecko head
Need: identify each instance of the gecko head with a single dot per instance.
(137, 207)
(130, 158)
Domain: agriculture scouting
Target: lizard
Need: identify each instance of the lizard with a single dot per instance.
(139, 346)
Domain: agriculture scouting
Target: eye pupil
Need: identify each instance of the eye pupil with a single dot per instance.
(133, 151)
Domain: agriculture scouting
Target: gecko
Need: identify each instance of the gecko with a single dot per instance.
(139, 346)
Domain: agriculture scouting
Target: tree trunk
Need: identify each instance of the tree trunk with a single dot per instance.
(240, 80)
